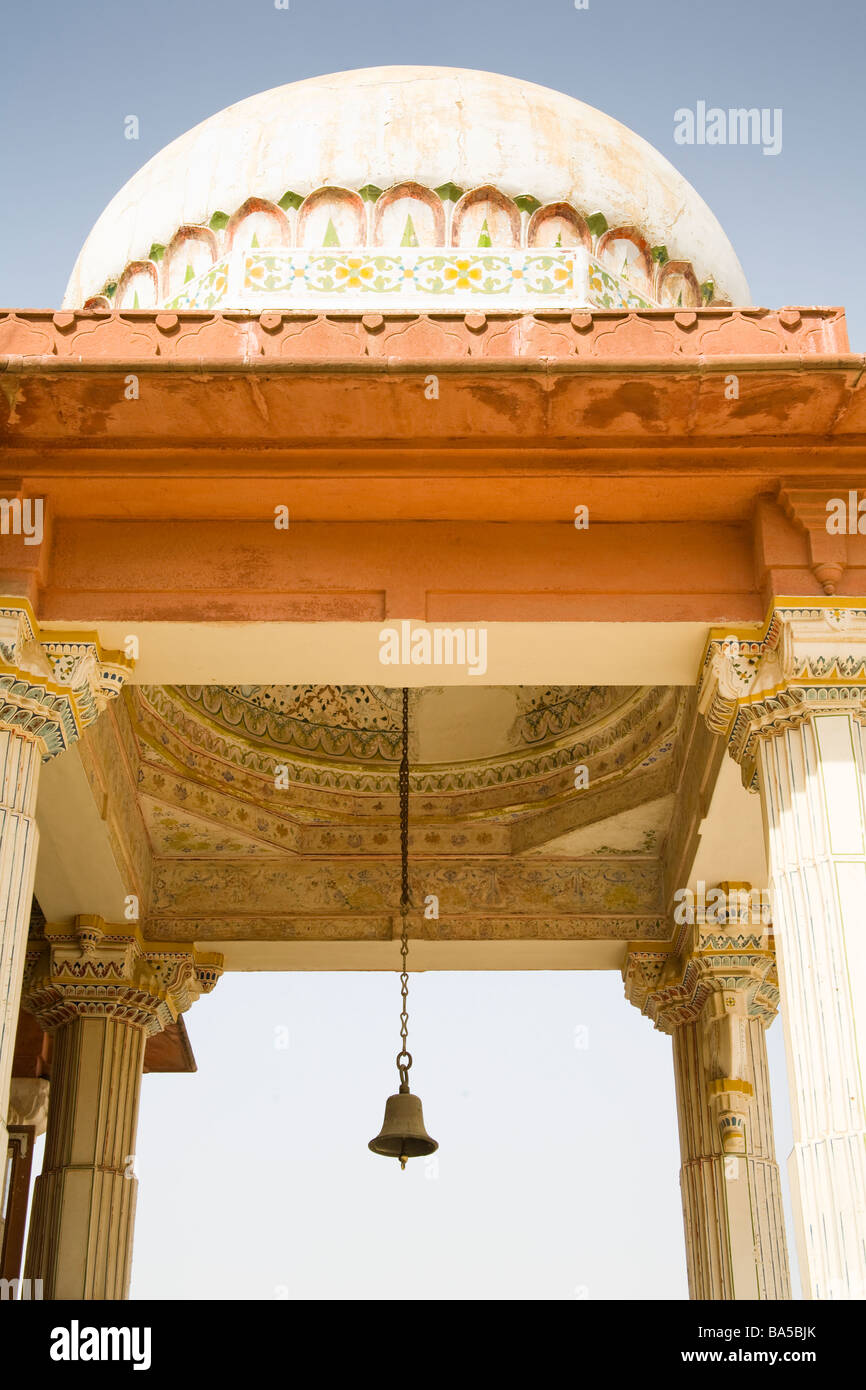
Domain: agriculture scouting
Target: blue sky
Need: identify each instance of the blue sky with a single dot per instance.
(557, 1175)
(71, 73)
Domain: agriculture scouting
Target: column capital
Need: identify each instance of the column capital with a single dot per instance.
(721, 975)
(52, 684)
(92, 968)
(809, 656)
(719, 969)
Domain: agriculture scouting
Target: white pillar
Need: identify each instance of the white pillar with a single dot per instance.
(715, 993)
(792, 703)
(51, 688)
(813, 785)
(20, 759)
(101, 990)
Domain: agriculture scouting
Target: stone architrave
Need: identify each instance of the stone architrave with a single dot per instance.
(716, 994)
(792, 704)
(101, 990)
(52, 685)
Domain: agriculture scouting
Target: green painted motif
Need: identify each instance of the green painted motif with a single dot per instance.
(606, 291)
(207, 292)
(549, 274)
(331, 238)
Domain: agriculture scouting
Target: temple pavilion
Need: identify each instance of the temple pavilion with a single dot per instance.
(436, 379)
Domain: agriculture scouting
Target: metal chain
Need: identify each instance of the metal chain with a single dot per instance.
(404, 1057)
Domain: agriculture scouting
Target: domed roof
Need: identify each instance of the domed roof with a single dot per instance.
(443, 129)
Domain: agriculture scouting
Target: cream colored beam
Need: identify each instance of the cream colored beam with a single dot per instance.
(426, 955)
(731, 835)
(76, 870)
(348, 653)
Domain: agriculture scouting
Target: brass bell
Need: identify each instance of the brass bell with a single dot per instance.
(403, 1134)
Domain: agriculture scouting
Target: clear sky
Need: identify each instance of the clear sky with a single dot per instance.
(558, 1166)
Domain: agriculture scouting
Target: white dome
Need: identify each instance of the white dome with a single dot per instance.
(386, 126)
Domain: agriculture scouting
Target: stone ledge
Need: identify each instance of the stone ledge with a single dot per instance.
(244, 339)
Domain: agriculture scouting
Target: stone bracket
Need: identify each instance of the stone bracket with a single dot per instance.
(52, 684)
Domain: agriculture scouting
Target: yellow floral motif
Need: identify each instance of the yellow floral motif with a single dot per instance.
(461, 273)
(353, 273)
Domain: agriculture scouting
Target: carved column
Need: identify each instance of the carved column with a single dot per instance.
(792, 703)
(716, 994)
(20, 758)
(101, 990)
(51, 688)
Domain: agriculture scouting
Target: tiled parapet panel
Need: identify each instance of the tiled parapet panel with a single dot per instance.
(408, 279)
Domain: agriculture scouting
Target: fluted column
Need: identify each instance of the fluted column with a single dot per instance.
(716, 994)
(20, 759)
(813, 781)
(102, 991)
(793, 704)
(51, 688)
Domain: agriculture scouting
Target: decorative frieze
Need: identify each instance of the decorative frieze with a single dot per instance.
(39, 340)
(409, 280)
